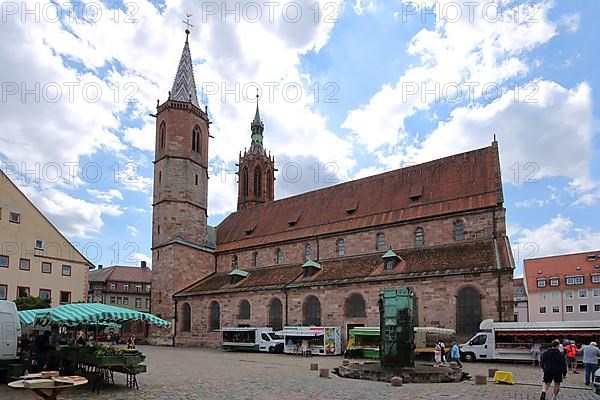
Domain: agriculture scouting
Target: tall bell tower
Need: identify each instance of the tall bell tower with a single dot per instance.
(181, 251)
(256, 169)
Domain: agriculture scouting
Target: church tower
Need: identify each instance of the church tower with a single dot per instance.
(181, 250)
(256, 169)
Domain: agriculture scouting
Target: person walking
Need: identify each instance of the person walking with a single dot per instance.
(455, 354)
(590, 360)
(536, 351)
(443, 347)
(571, 353)
(554, 366)
(437, 354)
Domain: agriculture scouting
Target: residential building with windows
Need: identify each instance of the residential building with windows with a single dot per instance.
(121, 286)
(320, 257)
(564, 287)
(35, 258)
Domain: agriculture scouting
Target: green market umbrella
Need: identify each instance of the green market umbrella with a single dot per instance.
(88, 314)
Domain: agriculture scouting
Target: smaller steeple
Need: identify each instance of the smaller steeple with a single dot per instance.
(257, 127)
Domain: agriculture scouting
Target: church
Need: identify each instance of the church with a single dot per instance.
(319, 258)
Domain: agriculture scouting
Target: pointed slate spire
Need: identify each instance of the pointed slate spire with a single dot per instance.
(184, 86)
(257, 127)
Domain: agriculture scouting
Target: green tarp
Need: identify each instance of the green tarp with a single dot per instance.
(87, 314)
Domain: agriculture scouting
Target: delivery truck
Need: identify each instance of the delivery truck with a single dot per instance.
(10, 334)
(514, 340)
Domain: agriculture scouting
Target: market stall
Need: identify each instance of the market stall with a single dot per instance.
(311, 340)
(85, 357)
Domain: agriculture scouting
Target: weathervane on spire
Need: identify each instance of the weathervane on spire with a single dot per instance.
(188, 25)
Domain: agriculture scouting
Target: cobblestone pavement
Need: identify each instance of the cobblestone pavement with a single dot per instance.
(177, 374)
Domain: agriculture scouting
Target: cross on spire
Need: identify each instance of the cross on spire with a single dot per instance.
(188, 25)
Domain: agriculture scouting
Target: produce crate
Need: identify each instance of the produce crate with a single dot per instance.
(132, 359)
(110, 360)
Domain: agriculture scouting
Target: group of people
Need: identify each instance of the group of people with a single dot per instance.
(439, 352)
(560, 357)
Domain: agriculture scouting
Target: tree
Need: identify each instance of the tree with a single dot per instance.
(31, 303)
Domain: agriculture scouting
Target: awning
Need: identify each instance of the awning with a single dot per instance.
(87, 314)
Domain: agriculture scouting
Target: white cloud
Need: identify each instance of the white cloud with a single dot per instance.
(559, 236)
(550, 136)
(364, 6)
(132, 230)
(531, 203)
(72, 216)
(106, 196)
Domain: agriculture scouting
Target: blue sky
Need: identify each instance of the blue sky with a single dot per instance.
(85, 157)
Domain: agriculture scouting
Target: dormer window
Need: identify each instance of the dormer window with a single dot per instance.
(390, 260)
(250, 229)
(542, 283)
(294, 219)
(237, 275)
(591, 257)
(311, 267)
(554, 281)
(389, 264)
(351, 206)
(415, 192)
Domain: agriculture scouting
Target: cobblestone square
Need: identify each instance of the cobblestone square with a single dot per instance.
(188, 373)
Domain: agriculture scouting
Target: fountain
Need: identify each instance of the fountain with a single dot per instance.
(396, 348)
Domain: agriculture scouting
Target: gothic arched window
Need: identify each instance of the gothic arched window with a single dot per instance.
(196, 144)
(312, 311)
(257, 183)
(215, 316)
(340, 247)
(307, 251)
(275, 311)
(245, 183)
(162, 133)
(355, 306)
(459, 230)
(244, 312)
(278, 256)
(234, 261)
(468, 311)
(380, 242)
(186, 318)
(255, 259)
(269, 179)
(419, 236)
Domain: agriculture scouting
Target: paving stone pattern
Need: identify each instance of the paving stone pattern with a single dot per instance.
(184, 373)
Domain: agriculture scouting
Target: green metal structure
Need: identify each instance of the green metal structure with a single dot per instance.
(396, 308)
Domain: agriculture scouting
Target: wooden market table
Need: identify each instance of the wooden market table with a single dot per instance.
(50, 393)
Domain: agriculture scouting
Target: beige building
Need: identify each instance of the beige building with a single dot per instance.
(564, 287)
(35, 258)
(121, 286)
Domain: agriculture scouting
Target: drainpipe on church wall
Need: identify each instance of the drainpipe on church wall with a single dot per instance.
(286, 304)
(175, 320)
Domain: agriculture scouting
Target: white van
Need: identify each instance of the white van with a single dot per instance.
(10, 334)
(251, 339)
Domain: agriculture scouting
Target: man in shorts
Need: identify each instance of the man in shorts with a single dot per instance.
(555, 369)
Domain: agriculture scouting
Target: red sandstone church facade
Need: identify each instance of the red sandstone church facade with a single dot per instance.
(320, 258)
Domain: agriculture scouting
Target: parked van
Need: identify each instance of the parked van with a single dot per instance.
(251, 339)
(10, 334)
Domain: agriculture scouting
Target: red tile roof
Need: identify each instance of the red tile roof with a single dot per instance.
(452, 184)
(561, 266)
(471, 256)
(119, 273)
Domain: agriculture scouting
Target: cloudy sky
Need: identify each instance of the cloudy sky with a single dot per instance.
(348, 89)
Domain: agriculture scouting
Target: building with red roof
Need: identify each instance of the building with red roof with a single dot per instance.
(564, 287)
(320, 258)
